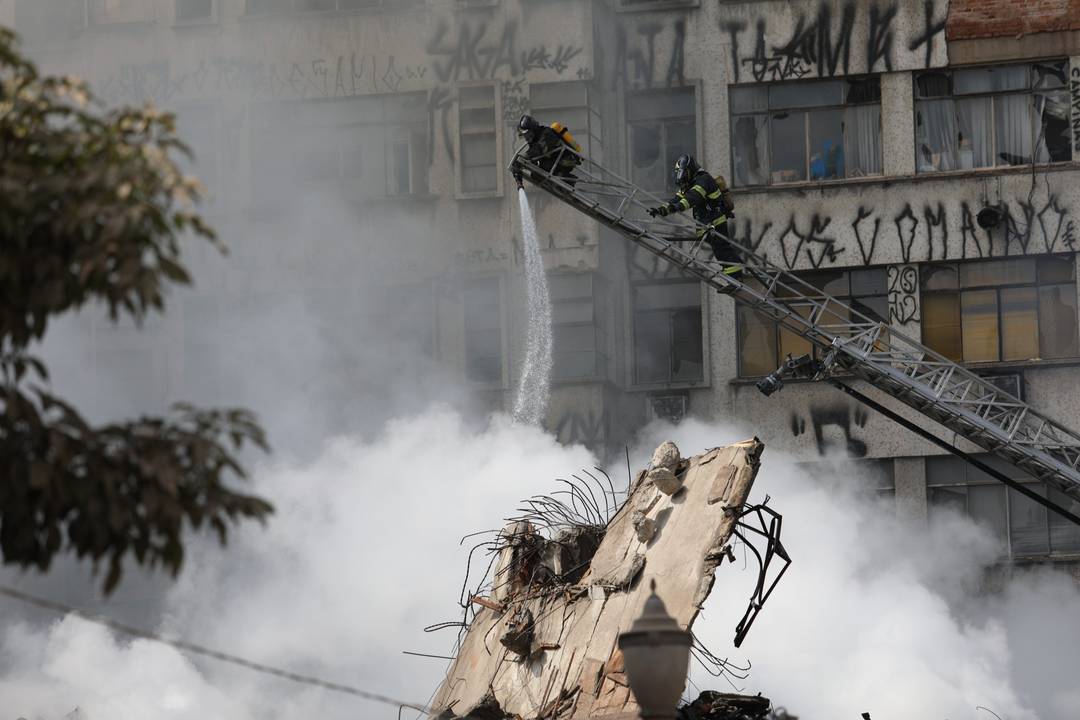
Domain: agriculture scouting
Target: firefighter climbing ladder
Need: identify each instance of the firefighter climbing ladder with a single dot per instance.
(847, 340)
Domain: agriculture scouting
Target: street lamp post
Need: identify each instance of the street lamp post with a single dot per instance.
(656, 654)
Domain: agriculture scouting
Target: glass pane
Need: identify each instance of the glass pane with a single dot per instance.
(793, 344)
(1050, 74)
(862, 140)
(1064, 534)
(748, 99)
(1015, 129)
(933, 84)
(567, 286)
(831, 282)
(950, 498)
(751, 147)
(480, 120)
(477, 96)
(936, 135)
(826, 144)
(806, 94)
(572, 311)
(986, 504)
(194, 9)
(681, 139)
(648, 168)
(788, 142)
(876, 308)
(573, 338)
(1019, 324)
(945, 470)
(997, 272)
(940, 277)
(973, 135)
(1055, 269)
(555, 95)
(757, 343)
(872, 281)
(660, 104)
(941, 324)
(1054, 136)
(652, 347)
(687, 356)
(990, 79)
(573, 365)
(1028, 529)
(668, 295)
(1057, 322)
(482, 178)
(863, 90)
(979, 320)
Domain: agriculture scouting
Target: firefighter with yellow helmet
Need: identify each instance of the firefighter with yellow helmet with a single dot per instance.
(551, 147)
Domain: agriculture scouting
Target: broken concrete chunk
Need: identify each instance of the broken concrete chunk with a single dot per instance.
(722, 483)
(645, 527)
(519, 634)
(666, 456)
(665, 480)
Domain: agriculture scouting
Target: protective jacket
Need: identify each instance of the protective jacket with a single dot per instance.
(704, 198)
(544, 151)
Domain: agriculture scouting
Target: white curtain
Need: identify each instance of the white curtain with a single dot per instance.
(937, 134)
(974, 149)
(1013, 123)
(862, 140)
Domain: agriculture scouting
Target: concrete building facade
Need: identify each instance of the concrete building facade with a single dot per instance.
(917, 158)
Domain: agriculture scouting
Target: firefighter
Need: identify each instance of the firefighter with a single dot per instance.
(544, 144)
(710, 201)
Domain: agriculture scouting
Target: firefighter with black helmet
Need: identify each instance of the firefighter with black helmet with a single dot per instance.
(710, 201)
(544, 143)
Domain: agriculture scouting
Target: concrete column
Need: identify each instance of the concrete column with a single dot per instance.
(909, 473)
(897, 124)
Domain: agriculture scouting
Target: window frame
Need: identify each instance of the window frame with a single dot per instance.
(632, 381)
(460, 193)
(699, 148)
(807, 111)
(502, 383)
(600, 357)
(378, 6)
(212, 19)
(1030, 92)
(997, 288)
(845, 299)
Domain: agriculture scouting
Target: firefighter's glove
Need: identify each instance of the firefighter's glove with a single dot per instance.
(661, 211)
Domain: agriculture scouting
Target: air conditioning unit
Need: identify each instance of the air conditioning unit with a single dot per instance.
(1012, 383)
(670, 407)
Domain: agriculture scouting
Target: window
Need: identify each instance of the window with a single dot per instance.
(1022, 526)
(662, 127)
(37, 20)
(992, 116)
(483, 331)
(578, 339)
(667, 333)
(104, 12)
(655, 4)
(990, 310)
(567, 102)
(194, 10)
(763, 343)
(269, 6)
(373, 146)
(479, 150)
(809, 130)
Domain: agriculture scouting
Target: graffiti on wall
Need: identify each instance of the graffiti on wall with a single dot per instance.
(822, 43)
(1074, 91)
(916, 232)
(834, 427)
(903, 281)
(650, 53)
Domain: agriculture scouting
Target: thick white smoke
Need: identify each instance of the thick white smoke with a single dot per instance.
(874, 614)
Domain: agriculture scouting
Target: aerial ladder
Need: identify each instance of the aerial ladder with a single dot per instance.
(846, 341)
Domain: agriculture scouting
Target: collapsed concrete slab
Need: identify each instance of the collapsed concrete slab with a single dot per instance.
(543, 642)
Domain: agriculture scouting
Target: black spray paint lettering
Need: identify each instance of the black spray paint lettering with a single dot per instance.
(824, 420)
(907, 219)
(468, 56)
(866, 240)
(903, 294)
(879, 44)
(638, 66)
(1074, 88)
(936, 225)
(932, 29)
(818, 247)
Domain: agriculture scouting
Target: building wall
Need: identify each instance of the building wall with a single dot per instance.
(617, 60)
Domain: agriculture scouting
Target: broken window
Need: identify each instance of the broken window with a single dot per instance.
(192, 10)
(662, 127)
(667, 333)
(568, 103)
(577, 337)
(483, 330)
(1021, 526)
(993, 310)
(992, 116)
(807, 130)
(479, 157)
(359, 148)
(764, 343)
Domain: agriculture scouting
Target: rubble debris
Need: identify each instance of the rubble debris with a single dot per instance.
(712, 705)
(572, 572)
(665, 480)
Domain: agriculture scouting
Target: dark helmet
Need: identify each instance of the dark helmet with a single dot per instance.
(528, 128)
(685, 170)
